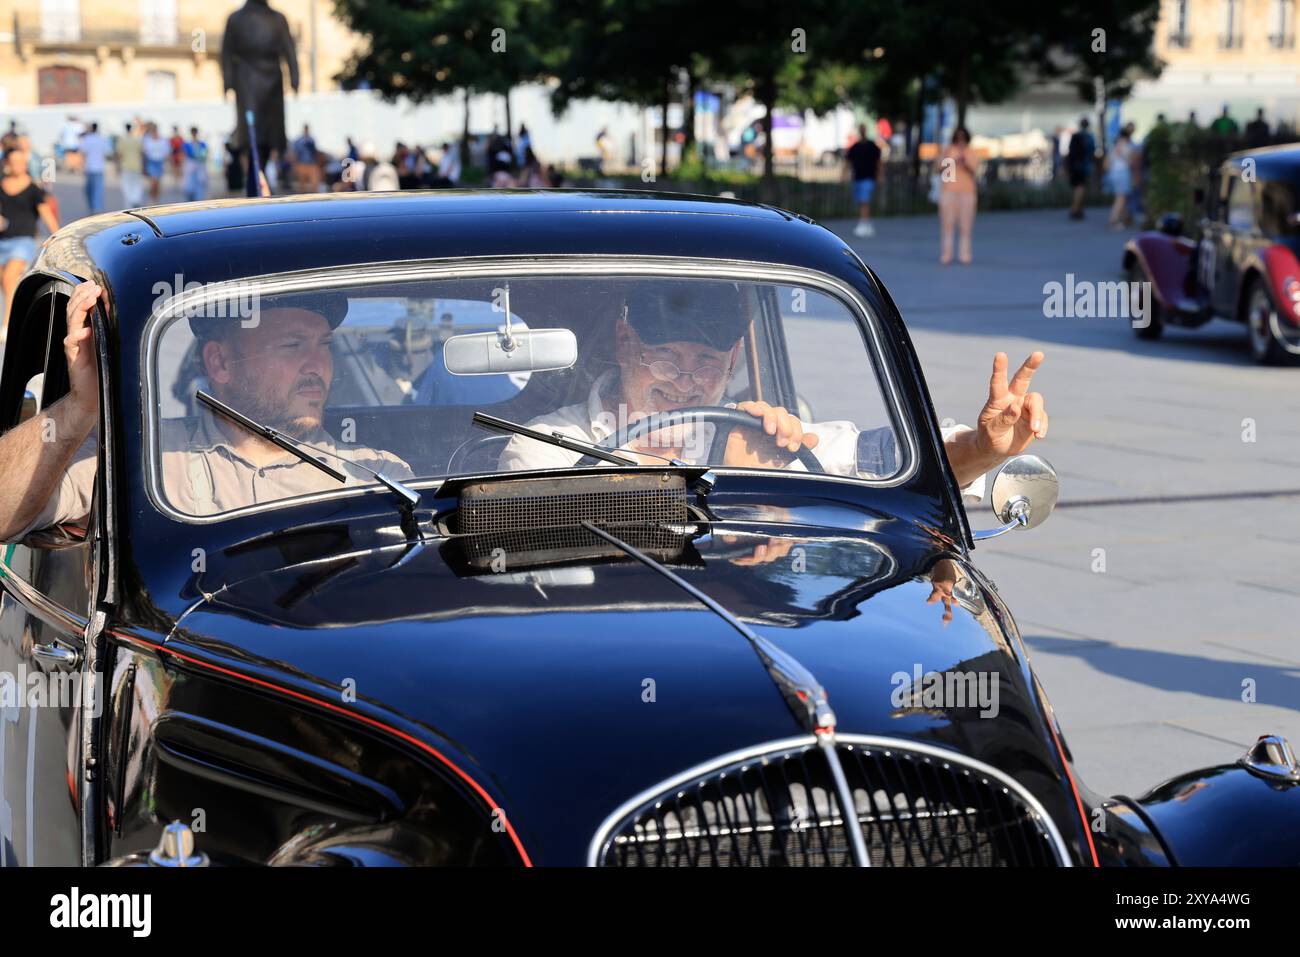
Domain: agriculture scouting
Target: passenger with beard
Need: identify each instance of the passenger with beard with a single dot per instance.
(276, 371)
(680, 349)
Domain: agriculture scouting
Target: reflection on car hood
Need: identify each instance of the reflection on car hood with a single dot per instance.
(574, 687)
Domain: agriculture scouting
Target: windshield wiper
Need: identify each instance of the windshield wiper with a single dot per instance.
(408, 498)
(493, 424)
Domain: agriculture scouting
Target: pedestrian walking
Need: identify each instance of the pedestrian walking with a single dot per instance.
(130, 165)
(523, 144)
(194, 172)
(1079, 158)
(234, 168)
(531, 176)
(69, 146)
(1257, 131)
(94, 155)
(1119, 179)
(605, 149)
(448, 166)
(156, 149)
(862, 164)
(1224, 124)
(177, 145)
(22, 205)
(1138, 168)
(957, 197)
(306, 165)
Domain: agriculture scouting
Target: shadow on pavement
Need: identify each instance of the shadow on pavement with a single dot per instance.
(1275, 685)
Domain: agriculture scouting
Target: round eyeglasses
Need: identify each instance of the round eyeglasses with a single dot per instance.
(706, 377)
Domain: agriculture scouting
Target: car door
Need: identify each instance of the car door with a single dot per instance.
(45, 602)
(1214, 235)
(1237, 243)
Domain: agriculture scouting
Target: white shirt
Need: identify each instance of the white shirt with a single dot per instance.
(70, 136)
(842, 448)
(449, 165)
(156, 148)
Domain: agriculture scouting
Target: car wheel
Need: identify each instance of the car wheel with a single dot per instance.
(1155, 324)
(1264, 347)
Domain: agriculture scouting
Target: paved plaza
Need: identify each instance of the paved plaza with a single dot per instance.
(1147, 661)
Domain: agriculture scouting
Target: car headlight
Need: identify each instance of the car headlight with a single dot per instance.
(1291, 289)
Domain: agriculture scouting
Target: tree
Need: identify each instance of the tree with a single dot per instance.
(1102, 47)
(421, 49)
(634, 51)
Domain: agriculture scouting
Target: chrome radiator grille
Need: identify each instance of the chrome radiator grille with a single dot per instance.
(780, 809)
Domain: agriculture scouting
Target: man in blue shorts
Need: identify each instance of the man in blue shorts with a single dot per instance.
(863, 160)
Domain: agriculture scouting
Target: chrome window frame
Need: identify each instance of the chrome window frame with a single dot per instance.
(173, 310)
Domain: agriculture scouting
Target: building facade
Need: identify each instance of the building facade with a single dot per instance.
(93, 52)
(1238, 53)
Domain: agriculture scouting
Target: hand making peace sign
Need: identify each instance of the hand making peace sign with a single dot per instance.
(1013, 416)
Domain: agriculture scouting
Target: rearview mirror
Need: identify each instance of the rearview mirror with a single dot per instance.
(1024, 494)
(506, 351)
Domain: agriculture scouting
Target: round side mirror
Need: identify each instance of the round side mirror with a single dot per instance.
(1025, 491)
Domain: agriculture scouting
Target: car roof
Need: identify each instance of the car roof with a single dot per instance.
(136, 253)
(185, 218)
(1272, 162)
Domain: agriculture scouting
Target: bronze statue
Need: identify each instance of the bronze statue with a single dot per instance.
(257, 38)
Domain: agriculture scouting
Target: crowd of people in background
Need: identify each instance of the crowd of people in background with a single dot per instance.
(515, 164)
(1122, 169)
(505, 163)
(147, 159)
(1126, 165)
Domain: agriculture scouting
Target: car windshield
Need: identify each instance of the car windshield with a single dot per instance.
(390, 375)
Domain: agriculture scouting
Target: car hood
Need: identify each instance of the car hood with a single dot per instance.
(567, 689)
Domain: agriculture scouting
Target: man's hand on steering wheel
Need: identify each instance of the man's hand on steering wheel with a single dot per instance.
(785, 435)
(778, 437)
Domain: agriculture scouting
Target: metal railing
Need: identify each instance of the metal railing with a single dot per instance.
(1004, 183)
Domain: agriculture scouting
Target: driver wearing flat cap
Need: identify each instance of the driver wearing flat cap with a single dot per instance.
(276, 370)
(680, 350)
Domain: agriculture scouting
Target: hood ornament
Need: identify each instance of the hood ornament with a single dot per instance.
(803, 693)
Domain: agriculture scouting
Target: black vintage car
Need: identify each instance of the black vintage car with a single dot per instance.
(506, 645)
(1246, 265)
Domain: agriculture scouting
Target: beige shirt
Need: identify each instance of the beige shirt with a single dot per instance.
(130, 153)
(204, 475)
(842, 448)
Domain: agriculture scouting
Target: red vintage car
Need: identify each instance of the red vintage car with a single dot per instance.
(1245, 266)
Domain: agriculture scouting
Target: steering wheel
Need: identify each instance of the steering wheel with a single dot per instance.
(724, 419)
(475, 445)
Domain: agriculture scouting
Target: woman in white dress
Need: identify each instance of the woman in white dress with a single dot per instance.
(1119, 178)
